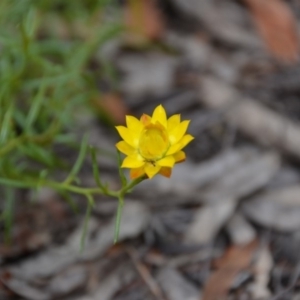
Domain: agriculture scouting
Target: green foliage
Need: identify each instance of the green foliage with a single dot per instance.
(46, 48)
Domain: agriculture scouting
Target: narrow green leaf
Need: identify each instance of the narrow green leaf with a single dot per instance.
(35, 107)
(118, 219)
(6, 125)
(82, 53)
(38, 153)
(51, 80)
(79, 161)
(15, 183)
(31, 22)
(67, 138)
(42, 176)
(95, 169)
(86, 220)
(20, 118)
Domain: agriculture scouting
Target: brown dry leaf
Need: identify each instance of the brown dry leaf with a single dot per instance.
(144, 20)
(111, 106)
(234, 260)
(277, 26)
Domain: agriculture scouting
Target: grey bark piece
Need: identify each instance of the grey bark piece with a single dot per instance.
(193, 50)
(245, 179)
(262, 268)
(22, 288)
(208, 220)
(113, 282)
(175, 286)
(222, 196)
(286, 176)
(278, 209)
(157, 80)
(239, 230)
(220, 23)
(68, 281)
(259, 122)
(296, 296)
(221, 165)
(134, 220)
(223, 68)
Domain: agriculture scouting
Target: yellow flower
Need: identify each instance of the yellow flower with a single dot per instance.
(153, 144)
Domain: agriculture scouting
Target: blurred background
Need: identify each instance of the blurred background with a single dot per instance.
(226, 224)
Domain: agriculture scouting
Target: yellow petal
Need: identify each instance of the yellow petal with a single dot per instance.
(159, 115)
(179, 156)
(145, 119)
(177, 133)
(167, 161)
(128, 136)
(125, 148)
(180, 145)
(165, 171)
(173, 149)
(151, 170)
(134, 124)
(173, 122)
(132, 162)
(138, 172)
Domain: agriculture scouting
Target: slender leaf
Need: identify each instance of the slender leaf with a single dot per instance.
(118, 219)
(86, 220)
(15, 183)
(96, 170)
(35, 108)
(77, 166)
(6, 124)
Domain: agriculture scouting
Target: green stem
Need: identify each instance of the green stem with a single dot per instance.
(131, 185)
(88, 192)
(85, 226)
(71, 188)
(118, 219)
(121, 195)
(98, 190)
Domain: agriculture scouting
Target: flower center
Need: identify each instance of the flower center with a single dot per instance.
(153, 143)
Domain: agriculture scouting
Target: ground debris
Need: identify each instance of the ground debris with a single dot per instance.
(235, 260)
(175, 286)
(135, 218)
(278, 209)
(256, 120)
(239, 230)
(278, 27)
(208, 220)
(226, 224)
(262, 267)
